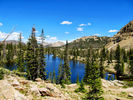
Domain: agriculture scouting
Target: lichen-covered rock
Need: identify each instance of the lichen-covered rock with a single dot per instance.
(7, 92)
(45, 92)
(15, 83)
(38, 79)
(130, 95)
(34, 90)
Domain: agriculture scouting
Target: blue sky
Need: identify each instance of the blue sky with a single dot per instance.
(64, 19)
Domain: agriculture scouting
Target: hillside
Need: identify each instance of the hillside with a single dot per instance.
(124, 37)
(89, 41)
(14, 87)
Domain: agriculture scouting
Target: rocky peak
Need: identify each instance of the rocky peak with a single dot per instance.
(127, 28)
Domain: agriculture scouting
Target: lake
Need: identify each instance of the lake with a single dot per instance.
(76, 67)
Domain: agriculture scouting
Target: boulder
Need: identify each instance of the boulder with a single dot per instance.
(130, 95)
(45, 92)
(34, 90)
(19, 88)
(38, 79)
(15, 83)
(7, 92)
(23, 82)
(55, 91)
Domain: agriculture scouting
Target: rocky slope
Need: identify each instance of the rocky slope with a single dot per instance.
(124, 37)
(13, 87)
(55, 44)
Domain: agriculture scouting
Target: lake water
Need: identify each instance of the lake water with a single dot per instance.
(77, 68)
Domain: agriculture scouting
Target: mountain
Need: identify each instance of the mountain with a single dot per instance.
(89, 41)
(11, 41)
(55, 44)
(124, 37)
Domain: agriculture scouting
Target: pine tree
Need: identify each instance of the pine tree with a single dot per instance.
(66, 68)
(77, 81)
(102, 70)
(103, 53)
(111, 56)
(107, 56)
(54, 77)
(50, 77)
(9, 56)
(118, 65)
(41, 71)
(88, 66)
(81, 88)
(60, 73)
(32, 57)
(122, 67)
(131, 62)
(20, 57)
(95, 83)
(124, 53)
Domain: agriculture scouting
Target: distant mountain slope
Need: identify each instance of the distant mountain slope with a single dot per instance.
(89, 41)
(11, 41)
(124, 37)
(55, 44)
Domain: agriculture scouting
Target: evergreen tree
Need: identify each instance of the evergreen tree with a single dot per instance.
(111, 56)
(95, 83)
(118, 67)
(77, 81)
(124, 53)
(107, 56)
(60, 73)
(54, 77)
(41, 60)
(32, 57)
(66, 68)
(20, 56)
(131, 62)
(102, 70)
(103, 53)
(81, 88)
(9, 56)
(50, 77)
(88, 66)
(122, 67)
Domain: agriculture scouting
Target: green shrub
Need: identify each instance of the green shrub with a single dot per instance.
(1, 74)
(129, 83)
(81, 88)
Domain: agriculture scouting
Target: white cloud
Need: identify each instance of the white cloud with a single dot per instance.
(13, 36)
(110, 31)
(79, 29)
(89, 24)
(67, 32)
(66, 22)
(97, 34)
(47, 36)
(82, 25)
(1, 24)
(48, 39)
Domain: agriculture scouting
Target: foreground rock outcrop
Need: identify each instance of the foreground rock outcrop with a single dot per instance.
(16, 88)
(13, 87)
